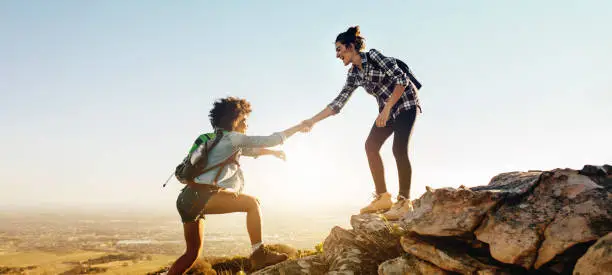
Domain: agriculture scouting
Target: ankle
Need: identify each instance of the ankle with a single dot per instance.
(256, 246)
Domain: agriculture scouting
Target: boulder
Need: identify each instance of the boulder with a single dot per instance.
(408, 265)
(516, 230)
(345, 251)
(446, 255)
(449, 211)
(597, 259)
(313, 265)
(584, 218)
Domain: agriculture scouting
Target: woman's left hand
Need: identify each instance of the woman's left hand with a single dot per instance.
(381, 120)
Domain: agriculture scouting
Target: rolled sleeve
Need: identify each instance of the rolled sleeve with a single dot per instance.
(349, 87)
(390, 68)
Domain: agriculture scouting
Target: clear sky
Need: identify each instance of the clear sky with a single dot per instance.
(99, 100)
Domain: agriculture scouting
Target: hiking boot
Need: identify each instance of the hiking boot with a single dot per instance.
(263, 257)
(382, 202)
(399, 209)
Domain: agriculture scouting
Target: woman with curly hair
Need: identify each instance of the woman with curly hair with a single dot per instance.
(218, 191)
(396, 94)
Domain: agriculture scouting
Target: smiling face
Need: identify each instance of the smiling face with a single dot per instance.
(345, 53)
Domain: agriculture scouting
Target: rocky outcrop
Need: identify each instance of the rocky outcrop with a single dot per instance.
(598, 259)
(564, 209)
(313, 264)
(358, 250)
(461, 208)
(409, 264)
(521, 222)
(445, 255)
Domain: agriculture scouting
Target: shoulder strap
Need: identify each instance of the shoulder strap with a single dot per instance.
(218, 136)
(402, 65)
(220, 165)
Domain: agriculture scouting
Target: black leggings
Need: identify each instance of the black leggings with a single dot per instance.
(401, 128)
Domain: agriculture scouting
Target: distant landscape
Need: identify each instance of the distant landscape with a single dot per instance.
(69, 241)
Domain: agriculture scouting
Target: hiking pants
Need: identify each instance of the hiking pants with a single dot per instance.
(401, 128)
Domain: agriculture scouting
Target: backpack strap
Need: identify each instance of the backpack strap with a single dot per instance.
(218, 137)
(402, 67)
(230, 159)
(220, 165)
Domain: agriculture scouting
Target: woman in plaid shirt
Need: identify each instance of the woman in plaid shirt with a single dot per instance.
(397, 100)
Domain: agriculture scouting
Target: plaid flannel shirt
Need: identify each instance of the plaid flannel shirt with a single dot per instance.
(378, 82)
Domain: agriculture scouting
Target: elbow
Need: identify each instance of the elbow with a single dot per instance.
(333, 110)
(403, 82)
(281, 138)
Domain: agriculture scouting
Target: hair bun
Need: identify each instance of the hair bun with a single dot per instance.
(354, 31)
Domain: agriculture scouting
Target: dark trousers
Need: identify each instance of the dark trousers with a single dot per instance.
(401, 128)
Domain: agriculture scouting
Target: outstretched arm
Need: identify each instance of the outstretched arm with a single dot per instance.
(244, 141)
(323, 114)
(256, 152)
(291, 131)
(335, 106)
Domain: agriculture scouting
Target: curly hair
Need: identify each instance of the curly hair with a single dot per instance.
(226, 110)
(352, 36)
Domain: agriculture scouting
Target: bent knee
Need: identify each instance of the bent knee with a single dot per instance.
(192, 254)
(372, 147)
(251, 202)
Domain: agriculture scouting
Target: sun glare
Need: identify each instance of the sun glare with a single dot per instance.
(305, 179)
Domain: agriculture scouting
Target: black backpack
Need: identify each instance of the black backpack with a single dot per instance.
(402, 66)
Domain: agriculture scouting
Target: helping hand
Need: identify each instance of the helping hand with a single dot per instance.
(383, 117)
(280, 155)
(307, 125)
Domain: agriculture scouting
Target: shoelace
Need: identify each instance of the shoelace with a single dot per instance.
(375, 196)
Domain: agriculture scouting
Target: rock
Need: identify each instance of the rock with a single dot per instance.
(535, 222)
(342, 252)
(515, 231)
(515, 184)
(373, 228)
(596, 171)
(308, 265)
(586, 217)
(450, 257)
(601, 175)
(347, 251)
(449, 211)
(409, 264)
(598, 259)
(497, 272)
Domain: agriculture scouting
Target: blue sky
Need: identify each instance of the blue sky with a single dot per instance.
(100, 99)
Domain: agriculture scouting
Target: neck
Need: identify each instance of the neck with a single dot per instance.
(356, 60)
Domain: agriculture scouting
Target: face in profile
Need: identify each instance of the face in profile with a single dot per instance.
(344, 53)
(240, 124)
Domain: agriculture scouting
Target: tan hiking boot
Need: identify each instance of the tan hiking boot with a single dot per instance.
(398, 210)
(382, 202)
(263, 257)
